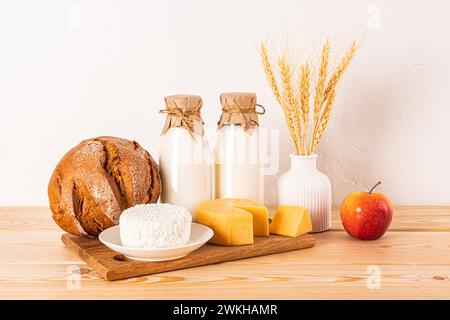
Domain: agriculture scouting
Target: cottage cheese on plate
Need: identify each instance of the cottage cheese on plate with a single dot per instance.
(158, 225)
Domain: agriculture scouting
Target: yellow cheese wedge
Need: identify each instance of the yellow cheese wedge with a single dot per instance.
(234, 221)
(291, 221)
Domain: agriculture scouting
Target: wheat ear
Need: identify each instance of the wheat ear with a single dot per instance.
(320, 87)
(269, 73)
(324, 119)
(337, 75)
(276, 92)
(329, 95)
(305, 83)
(290, 102)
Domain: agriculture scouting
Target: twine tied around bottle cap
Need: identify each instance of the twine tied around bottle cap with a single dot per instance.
(240, 108)
(183, 111)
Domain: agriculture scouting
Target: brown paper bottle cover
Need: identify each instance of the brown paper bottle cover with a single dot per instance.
(183, 111)
(239, 108)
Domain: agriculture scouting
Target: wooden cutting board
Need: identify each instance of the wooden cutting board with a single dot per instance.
(113, 266)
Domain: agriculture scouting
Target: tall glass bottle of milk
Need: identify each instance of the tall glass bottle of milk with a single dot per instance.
(185, 157)
(237, 160)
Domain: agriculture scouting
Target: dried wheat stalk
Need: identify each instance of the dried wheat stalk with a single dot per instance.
(305, 83)
(324, 120)
(329, 96)
(296, 103)
(320, 87)
(269, 73)
(290, 102)
(337, 75)
(289, 116)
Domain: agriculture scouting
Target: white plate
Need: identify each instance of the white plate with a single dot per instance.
(200, 234)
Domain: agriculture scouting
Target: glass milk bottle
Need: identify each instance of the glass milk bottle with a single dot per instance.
(185, 157)
(237, 161)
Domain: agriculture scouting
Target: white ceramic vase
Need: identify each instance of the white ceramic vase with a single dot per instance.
(303, 185)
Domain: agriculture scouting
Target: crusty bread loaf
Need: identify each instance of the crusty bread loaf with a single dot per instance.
(99, 178)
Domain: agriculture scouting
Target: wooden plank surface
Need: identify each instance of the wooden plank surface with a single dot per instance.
(413, 260)
(113, 266)
(411, 218)
(406, 218)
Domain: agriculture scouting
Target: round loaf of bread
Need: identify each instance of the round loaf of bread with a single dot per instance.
(98, 179)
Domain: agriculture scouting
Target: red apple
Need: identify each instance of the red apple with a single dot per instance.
(366, 215)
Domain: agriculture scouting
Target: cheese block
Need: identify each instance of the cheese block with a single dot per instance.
(259, 212)
(234, 221)
(232, 226)
(291, 221)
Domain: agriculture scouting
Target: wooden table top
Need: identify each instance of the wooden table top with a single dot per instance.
(413, 260)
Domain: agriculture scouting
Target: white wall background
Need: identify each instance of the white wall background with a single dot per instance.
(70, 70)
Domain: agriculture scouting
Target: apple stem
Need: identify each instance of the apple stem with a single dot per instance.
(378, 183)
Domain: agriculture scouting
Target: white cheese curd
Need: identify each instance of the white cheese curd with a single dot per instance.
(158, 225)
